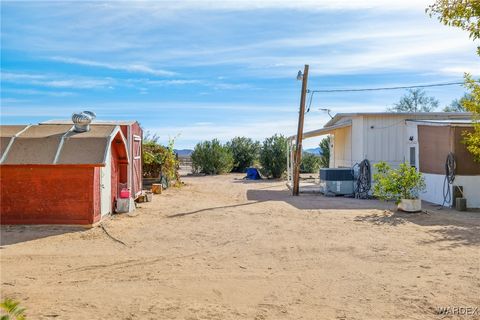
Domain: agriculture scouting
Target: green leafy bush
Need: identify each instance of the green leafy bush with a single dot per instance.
(273, 156)
(244, 151)
(211, 157)
(11, 310)
(310, 163)
(159, 160)
(396, 184)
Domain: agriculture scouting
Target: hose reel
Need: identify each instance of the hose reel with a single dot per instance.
(450, 168)
(363, 181)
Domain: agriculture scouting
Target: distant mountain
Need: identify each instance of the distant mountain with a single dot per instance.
(316, 151)
(183, 152)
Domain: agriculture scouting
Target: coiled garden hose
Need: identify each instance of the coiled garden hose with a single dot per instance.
(364, 180)
(450, 167)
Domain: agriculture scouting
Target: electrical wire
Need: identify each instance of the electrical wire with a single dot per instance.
(310, 101)
(312, 92)
(390, 88)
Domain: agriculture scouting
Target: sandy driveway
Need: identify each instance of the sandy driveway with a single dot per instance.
(221, 248)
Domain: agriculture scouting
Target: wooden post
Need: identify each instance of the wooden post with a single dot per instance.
(298, 140)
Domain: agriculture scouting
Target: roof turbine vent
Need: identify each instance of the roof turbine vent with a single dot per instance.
(82, 120)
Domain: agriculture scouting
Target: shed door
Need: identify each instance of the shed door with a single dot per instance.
(106, 188)
(137, 164)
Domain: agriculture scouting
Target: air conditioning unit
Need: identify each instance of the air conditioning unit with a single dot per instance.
(336, 181)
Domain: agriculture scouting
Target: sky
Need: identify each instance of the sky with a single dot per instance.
(197, 70)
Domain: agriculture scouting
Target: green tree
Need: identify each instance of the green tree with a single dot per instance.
(415, 100)
(273, 156)
(310, 163)
(11, 310)
(159, 160)
(457, 105)
(245, 152)
(464, 14)
(212, 157)
(472, 139)
(325, 149)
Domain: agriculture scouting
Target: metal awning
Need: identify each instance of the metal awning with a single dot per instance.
(447, 122)
(324, 131)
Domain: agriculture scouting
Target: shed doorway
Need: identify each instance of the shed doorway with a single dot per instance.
(106, 187)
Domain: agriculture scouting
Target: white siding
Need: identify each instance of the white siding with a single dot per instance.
(342, 150)
(434, 191)
(384, 139)
(357, 140)
(471, 191)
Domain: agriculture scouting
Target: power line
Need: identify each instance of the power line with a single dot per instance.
(389, 88)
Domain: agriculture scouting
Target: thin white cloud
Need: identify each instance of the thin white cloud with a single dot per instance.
(217, 85)
(35, 92)
(458, 70)
(361, 50)
(56, 81)
(129, 67)
(173, 82)
(13, 100)
(309, 5)
(378, 35)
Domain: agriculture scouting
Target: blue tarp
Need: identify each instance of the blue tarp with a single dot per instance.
(253, 174)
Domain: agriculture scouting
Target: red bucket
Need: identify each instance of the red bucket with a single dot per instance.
(124, 193)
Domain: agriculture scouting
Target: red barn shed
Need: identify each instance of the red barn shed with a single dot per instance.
(59, 174)
(133, 133)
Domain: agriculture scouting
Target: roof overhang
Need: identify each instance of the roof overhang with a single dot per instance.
(443, 115)
(324, 131)
(442, 123)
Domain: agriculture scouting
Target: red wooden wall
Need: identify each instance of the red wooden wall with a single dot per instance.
(50, 194)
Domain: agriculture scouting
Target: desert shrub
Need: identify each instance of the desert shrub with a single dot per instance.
(244, 151)
(11, 310)
(273, 156)
(310, 163)
(159, 160)
(211, 157)
(396, 184)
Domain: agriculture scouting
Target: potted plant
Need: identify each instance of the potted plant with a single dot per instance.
(403, 185)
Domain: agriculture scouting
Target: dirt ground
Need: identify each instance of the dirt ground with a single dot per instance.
(225, 248)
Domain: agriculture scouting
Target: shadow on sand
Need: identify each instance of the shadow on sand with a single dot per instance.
(315, 201)
(302, 202)
(446, 225)
(182, 214)
(22, 233)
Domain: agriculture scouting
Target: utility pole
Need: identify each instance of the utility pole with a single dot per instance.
(298, 140)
